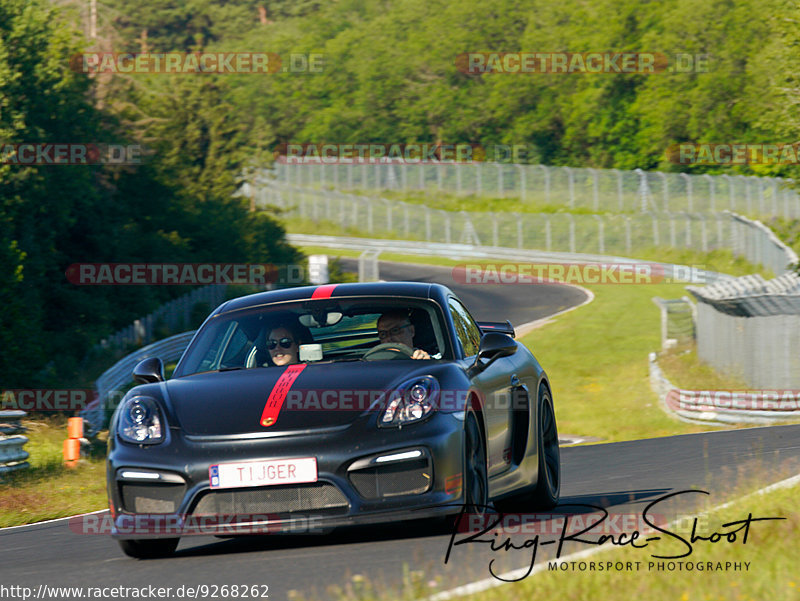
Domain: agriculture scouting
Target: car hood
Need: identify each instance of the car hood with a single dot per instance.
(322, 396)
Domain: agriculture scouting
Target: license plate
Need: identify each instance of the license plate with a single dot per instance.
(263, 473)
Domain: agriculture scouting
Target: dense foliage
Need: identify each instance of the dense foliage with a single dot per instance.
(176, 206)
(389, 75)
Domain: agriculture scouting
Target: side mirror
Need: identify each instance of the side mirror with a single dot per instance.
(495, 345)
(149, 370)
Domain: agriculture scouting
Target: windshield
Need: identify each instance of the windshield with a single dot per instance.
(318, 331)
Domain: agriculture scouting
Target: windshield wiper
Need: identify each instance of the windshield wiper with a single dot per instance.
(229, 368)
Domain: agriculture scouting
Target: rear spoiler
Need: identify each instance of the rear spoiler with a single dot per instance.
(504, 327)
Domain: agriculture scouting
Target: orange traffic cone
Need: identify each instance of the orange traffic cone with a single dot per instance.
(72, 445)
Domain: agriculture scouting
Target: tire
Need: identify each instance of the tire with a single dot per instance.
(476, 478)
(546, 493)
(149, 548)
(548, 486)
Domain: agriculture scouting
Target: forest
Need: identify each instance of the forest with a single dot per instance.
(384, 71)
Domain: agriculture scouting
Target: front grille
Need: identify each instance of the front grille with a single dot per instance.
(151, 498)
(319, 496)
(393, 479)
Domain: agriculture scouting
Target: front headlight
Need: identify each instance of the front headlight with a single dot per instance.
(412, 401)
(140, 421)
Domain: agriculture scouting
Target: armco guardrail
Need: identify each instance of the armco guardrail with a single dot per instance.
(12, 455)
(115, 380)
(724, 406)
(680, 273)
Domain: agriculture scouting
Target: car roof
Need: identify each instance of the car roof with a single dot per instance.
(436, 292)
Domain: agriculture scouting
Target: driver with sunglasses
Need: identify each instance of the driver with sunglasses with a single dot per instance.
(282, 346)
(396, 326)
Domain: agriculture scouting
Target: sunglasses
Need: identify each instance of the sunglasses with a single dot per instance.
(284, 342)
(392, 332)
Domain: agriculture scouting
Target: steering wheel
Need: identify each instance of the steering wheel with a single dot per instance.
(389, 350)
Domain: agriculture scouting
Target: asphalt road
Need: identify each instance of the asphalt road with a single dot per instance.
(621, 477)
(519, 303)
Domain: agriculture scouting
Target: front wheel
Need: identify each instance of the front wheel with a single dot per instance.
(149, 548)
(476, 488)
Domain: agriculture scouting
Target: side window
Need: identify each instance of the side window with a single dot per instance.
(237, 349)
(467, 330)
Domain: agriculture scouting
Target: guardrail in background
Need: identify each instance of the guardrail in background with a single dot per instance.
(112, 385)
(12, 455)
(611, 190)
(559, 232)
(724, 407)
(679, 273)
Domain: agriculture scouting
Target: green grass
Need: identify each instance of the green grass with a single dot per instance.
(685, 370)
(48, 489)
(596, 359)
(449, 201)
(770, 551)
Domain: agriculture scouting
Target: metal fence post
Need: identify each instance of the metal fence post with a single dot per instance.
(571, 184)
(595, 190)
(548, 235)
(628, 235)
(546, 183)
(620, 198)
(501, 189)
(571, 233)
(601, 242)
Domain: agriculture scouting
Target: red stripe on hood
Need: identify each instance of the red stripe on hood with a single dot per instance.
(275, 401)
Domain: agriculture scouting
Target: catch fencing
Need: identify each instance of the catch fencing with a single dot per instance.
(618, 234)
(596, 190)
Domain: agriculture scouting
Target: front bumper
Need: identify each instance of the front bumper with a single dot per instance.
(163, 491)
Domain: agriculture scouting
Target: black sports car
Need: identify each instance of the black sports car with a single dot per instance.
(325, 406)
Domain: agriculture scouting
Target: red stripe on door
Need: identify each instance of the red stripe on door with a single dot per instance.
(275, 401)
(324, 291)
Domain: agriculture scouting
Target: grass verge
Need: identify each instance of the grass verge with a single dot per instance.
(48, 489)
(770, 552)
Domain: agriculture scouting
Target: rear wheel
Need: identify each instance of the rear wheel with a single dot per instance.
(149, 548)
(548, 487)
(546, 493)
